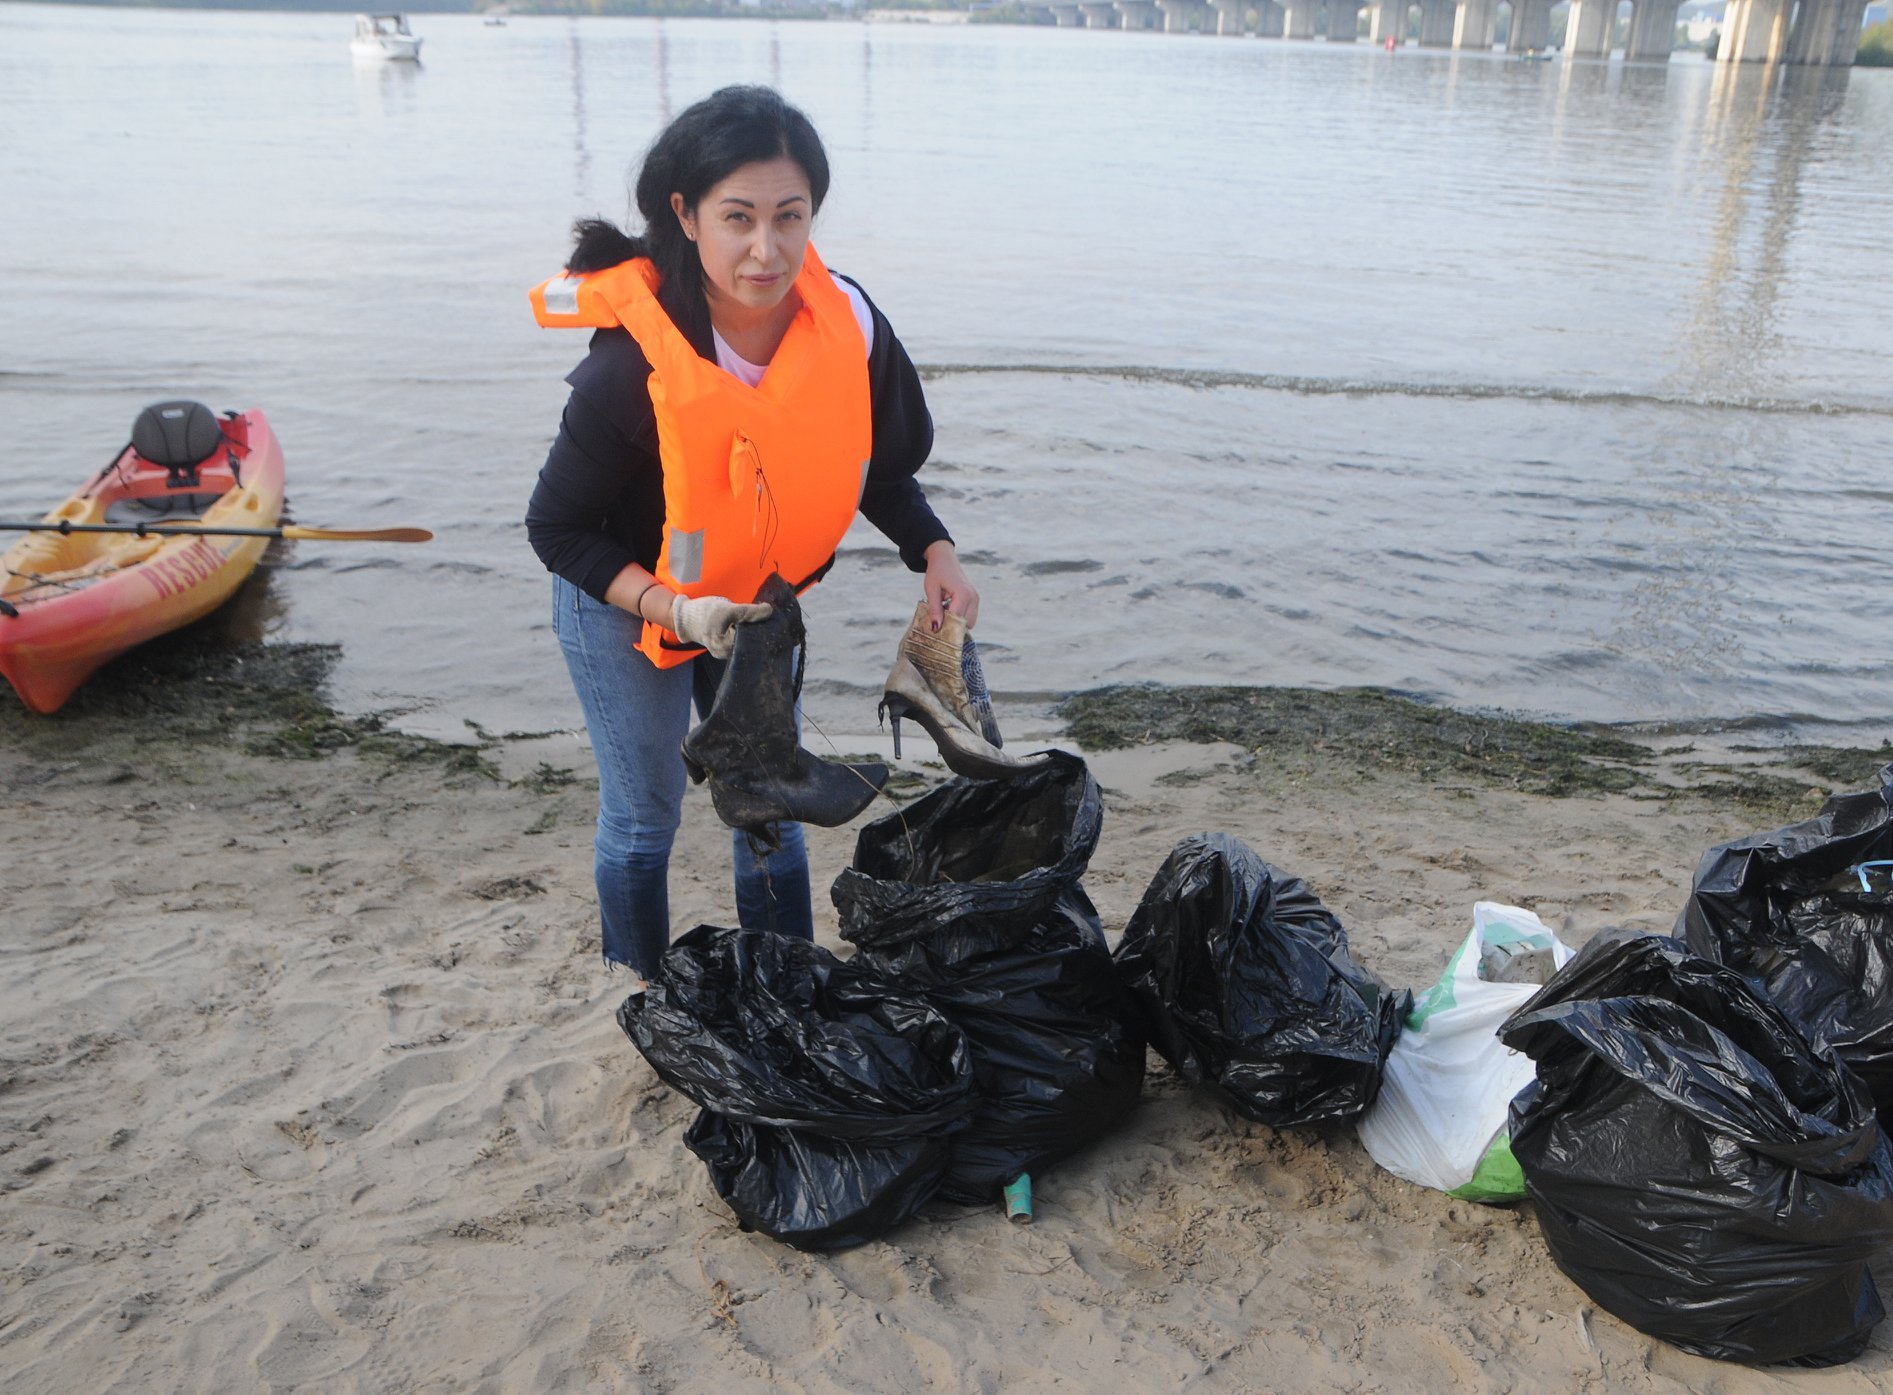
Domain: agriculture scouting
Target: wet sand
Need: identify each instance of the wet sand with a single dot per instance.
(310, 1080)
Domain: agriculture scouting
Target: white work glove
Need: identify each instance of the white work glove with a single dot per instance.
(711, 621)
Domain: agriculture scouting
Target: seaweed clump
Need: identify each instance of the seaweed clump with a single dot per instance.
(1368, 726)
(1849, 767)
(197, 688)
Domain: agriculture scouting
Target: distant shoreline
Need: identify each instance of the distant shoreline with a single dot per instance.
(621, 9)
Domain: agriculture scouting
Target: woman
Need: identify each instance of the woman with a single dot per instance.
(682, 474)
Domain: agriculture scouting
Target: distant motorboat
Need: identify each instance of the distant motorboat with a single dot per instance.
(385, 37)
(495, 17)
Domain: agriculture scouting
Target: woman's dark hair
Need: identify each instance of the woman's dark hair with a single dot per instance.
(711, 140)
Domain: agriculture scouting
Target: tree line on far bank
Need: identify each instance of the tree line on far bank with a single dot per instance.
(1876, 46)
(1008, 11)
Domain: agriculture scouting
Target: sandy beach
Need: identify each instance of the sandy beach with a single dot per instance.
(310, 1081)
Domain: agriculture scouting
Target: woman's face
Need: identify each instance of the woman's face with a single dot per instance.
(751, 231)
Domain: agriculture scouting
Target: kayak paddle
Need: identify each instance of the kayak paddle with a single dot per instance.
(158, 530)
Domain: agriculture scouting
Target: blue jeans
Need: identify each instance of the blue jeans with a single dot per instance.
(637, 715)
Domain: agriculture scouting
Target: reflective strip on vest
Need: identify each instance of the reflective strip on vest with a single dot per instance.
(686, 556)
(561, 294)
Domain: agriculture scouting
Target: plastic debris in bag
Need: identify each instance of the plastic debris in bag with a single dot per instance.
(1440, 1119)
(829, 1096)
(1807, 911)
(970, 897)
(1245, 982)
(1699, 1167)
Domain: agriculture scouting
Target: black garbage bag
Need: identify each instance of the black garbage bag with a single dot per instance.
(970, 898)
(1795, 911)
(829, 1096)
(1245, 981)
(1700, 1168)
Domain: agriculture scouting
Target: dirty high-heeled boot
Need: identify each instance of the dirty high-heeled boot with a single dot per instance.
(747, 748)
(928, 684)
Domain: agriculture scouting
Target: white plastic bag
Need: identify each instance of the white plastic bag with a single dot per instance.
(1440, 1119)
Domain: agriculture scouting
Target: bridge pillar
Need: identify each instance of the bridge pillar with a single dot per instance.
(1389, 22)
(1137, 14)
(1591, 30)
(1180, 16)
(1269, 19)
(1344, 21)
(1652, 31)
(1753, 31)
(1848, 23)
(1531, 26)
(1847, 33)
(1231, 13)
(1099, 14)
(1436, 23)
(1474, 24)
(1853, 18)
(1298, 19)
(1066, 16)
(1825, 34)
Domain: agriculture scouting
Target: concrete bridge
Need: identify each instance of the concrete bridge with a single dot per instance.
(1817, 33)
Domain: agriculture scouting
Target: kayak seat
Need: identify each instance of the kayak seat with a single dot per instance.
(177, 435)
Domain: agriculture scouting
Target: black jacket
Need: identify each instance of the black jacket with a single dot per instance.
(599, 503)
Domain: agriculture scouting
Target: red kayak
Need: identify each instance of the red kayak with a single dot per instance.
(69, 602)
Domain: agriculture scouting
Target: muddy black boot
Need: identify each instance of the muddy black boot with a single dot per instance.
(758, 772)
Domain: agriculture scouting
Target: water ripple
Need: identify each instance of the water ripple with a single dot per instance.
(1305, 386)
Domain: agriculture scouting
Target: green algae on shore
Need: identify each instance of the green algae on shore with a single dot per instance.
(1844, 765)
(1378, 730)
(193, 687)
(196, 688)
(1364, 724)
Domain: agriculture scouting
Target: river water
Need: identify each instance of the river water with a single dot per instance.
(1564, 388)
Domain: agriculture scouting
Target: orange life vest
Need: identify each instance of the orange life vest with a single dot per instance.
(756, 479)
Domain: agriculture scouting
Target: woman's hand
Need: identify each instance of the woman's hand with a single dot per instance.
(947, 586)
(711, 621)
